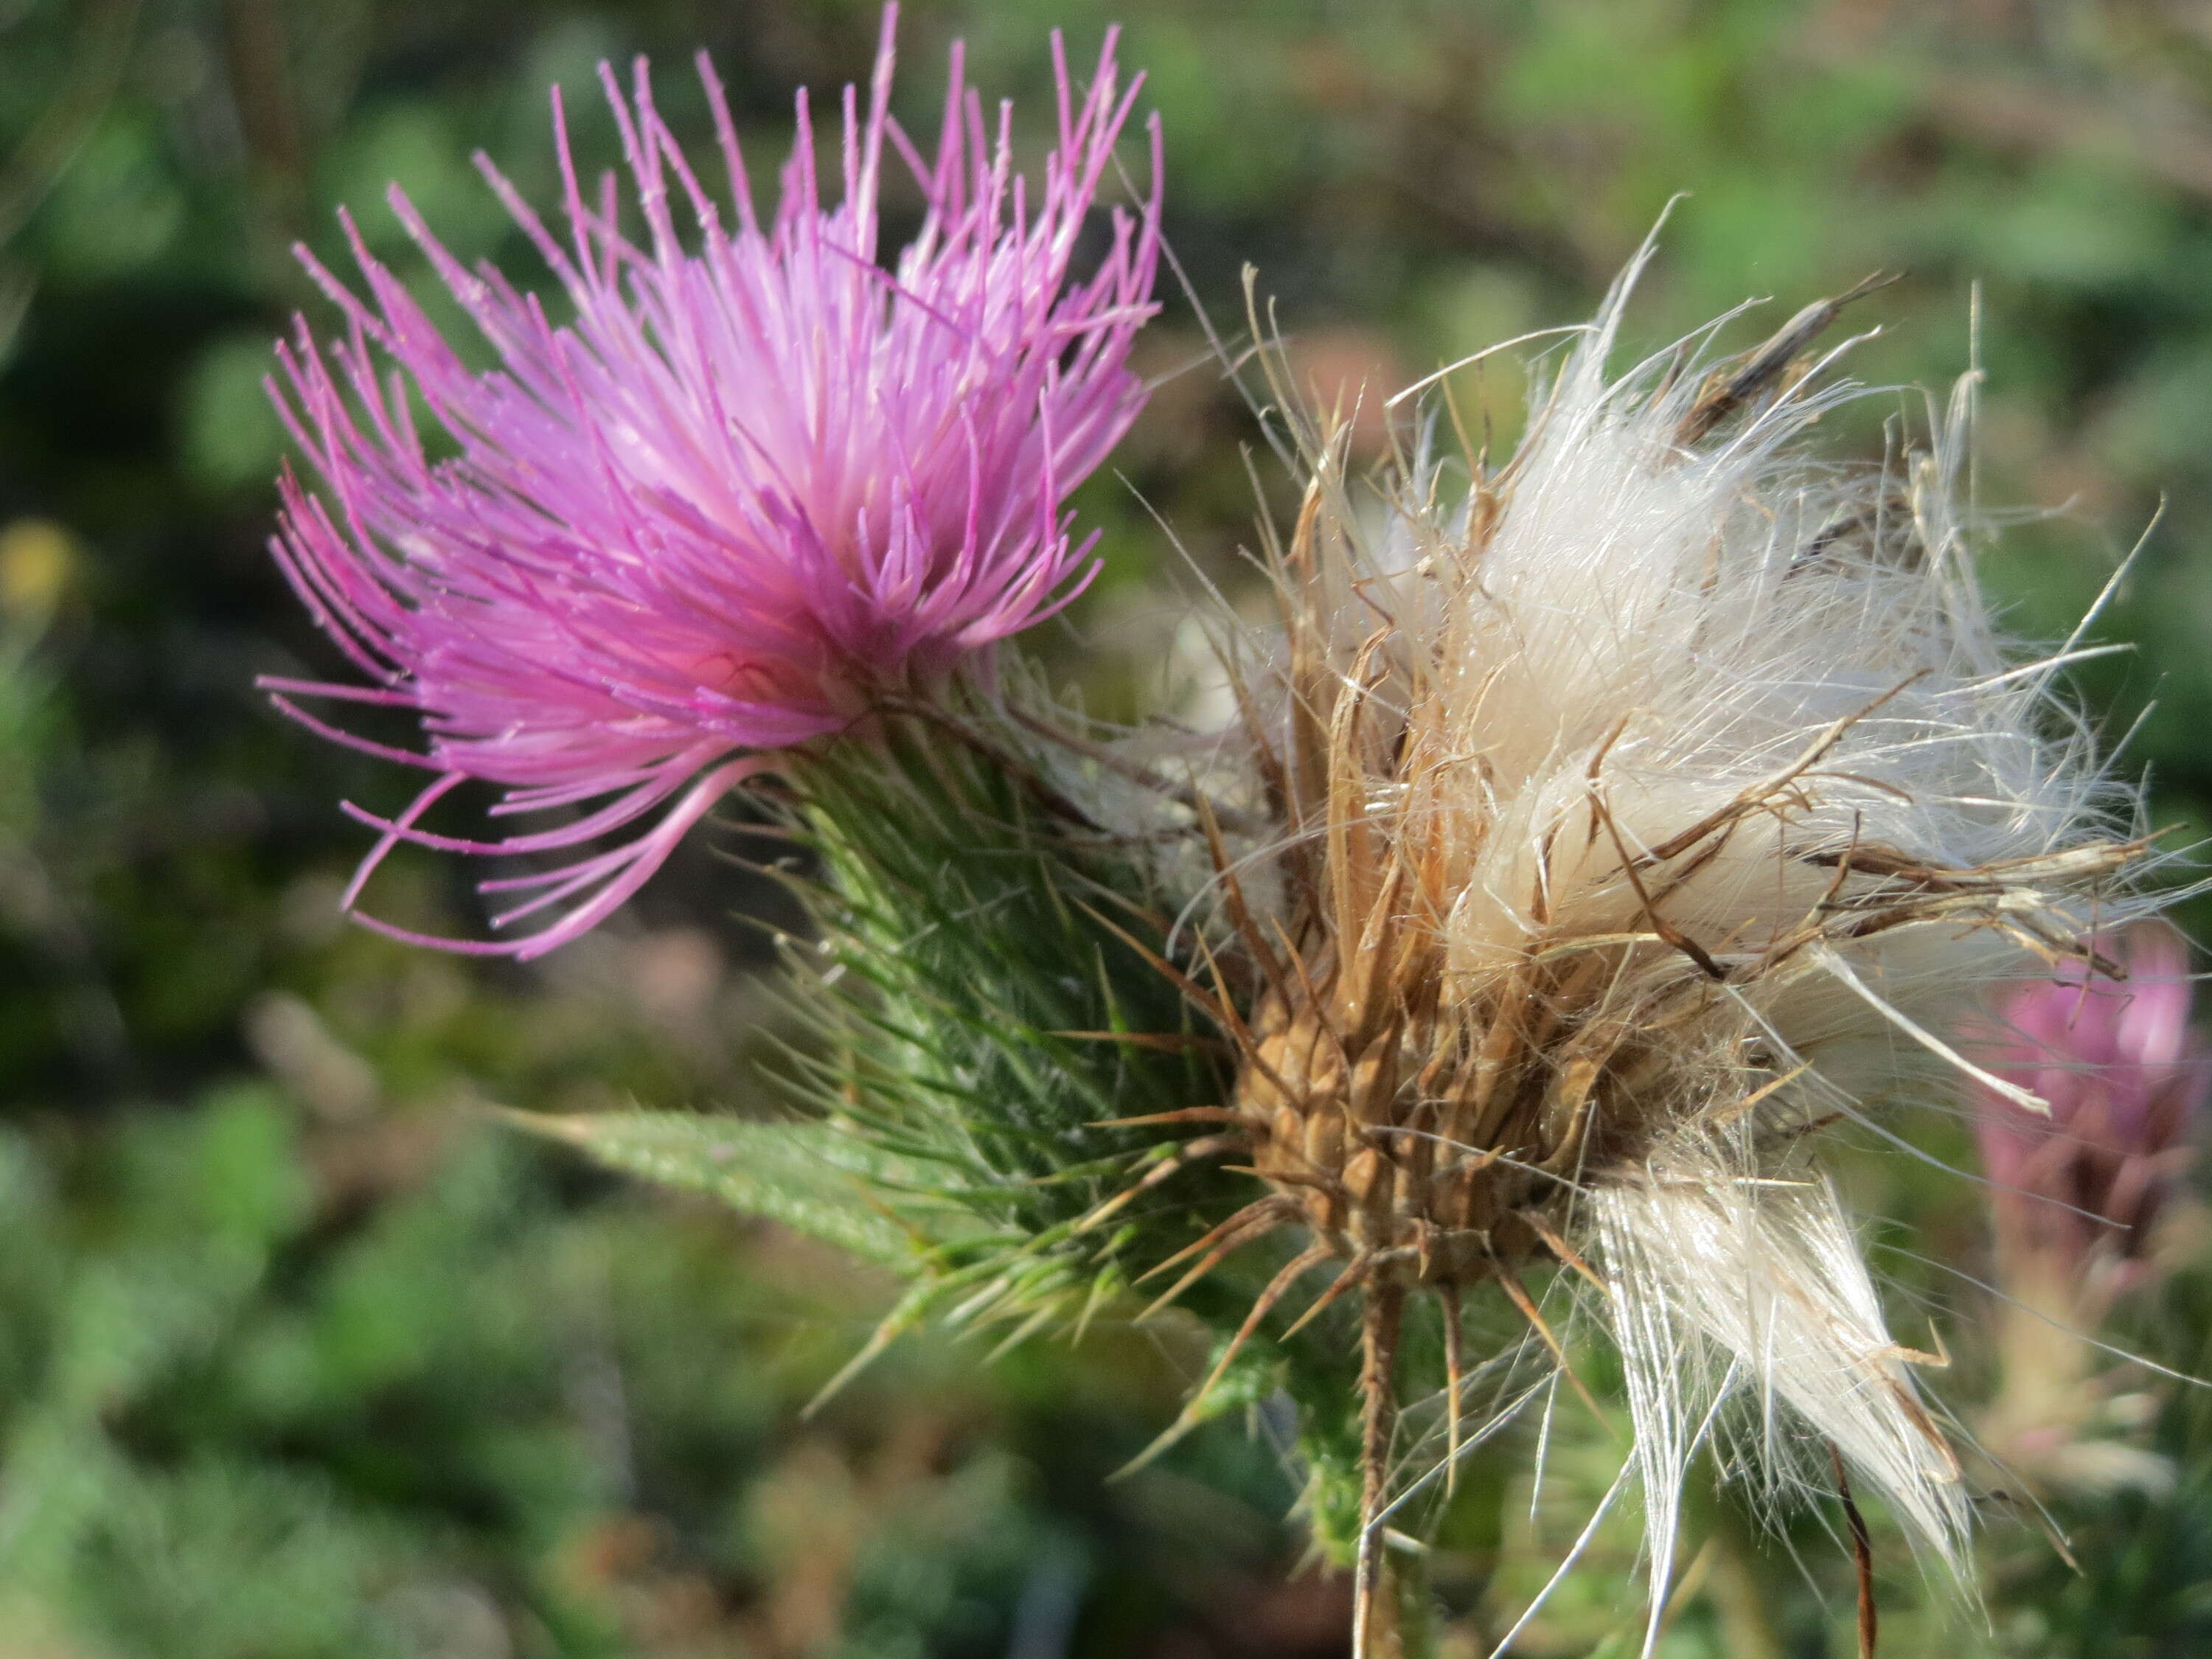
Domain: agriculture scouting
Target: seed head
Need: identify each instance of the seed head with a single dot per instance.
(1638, 809)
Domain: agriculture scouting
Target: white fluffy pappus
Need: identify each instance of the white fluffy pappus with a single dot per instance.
(1633, 810)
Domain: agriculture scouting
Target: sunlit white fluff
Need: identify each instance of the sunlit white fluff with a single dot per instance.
(1725, 1284)
(1693, 769)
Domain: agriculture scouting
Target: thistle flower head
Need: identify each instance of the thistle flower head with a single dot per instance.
(2079, 1186)
(763, 476)
(1639, 808)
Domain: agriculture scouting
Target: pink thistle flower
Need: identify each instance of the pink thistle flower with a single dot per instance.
(2077, 1192)
(748, 490)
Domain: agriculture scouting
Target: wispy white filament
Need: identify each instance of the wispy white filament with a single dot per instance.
(1723, 1284)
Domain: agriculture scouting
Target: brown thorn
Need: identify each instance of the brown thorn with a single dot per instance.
(1865, 783)
(1278, 1287)
(1518, 1295)
(1241, 1031)
(1218, 1008)
(1184, 1114)
(1308, 740)
(1207, 1003)
(1354, 1271)
(1272, 1201)
(1667, 931)
(1252, 1222)
(1125, 903)
(1347, 812)
(1540, 900)
(1597, 764)
(1749, 1103)
(1170, 1041)
(1310, 992)
(1843, 862)
(1909, 1402)
(1183, 1156)
(1239, 913)
(1580, 1085)
(1362, 984)
(1750, 797)
(1566, 1253)
(1861, 1556)
(1684, 873)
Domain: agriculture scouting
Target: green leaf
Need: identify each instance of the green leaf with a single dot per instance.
(808, 1176)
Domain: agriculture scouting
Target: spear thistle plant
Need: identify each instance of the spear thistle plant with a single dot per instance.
(1594, 831)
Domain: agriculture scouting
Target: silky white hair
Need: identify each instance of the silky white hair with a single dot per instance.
(1731, 727)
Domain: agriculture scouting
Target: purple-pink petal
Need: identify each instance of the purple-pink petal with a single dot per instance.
(756, 480)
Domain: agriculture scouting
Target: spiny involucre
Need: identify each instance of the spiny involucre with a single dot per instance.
(1636, 810)
(758, 483)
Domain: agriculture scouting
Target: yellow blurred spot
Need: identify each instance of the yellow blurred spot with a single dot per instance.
(36, 558)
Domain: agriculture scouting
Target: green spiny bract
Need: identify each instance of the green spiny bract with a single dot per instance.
(1012, 1093)
(989, 1013)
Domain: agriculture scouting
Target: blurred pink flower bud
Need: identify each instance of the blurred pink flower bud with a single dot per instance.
(763, 477)
(2126, 1080)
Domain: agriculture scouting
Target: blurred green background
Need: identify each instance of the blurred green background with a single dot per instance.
(302, 1354)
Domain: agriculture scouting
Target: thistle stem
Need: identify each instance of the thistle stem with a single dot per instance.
(1377, 1627)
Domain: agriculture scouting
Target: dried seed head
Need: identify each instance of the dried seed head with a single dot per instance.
(1646, 807)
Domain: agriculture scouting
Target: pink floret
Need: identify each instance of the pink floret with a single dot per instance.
(753, 487)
